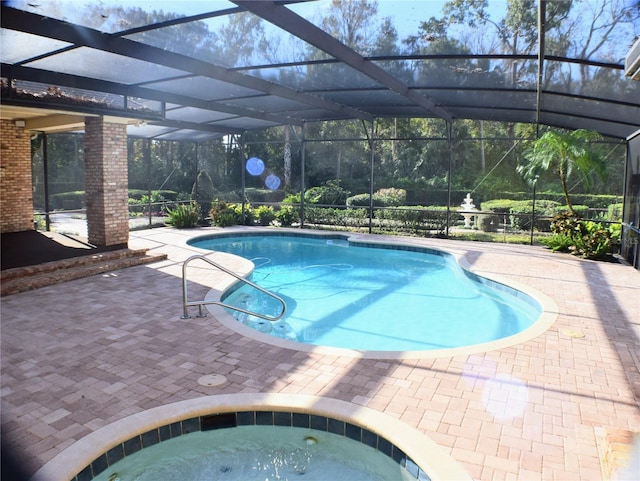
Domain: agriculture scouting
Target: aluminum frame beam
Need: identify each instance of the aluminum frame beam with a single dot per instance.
(307, 31)
(77, 35)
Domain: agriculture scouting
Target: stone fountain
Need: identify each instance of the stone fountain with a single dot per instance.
(468, 211)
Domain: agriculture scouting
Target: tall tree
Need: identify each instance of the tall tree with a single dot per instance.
(353, 22)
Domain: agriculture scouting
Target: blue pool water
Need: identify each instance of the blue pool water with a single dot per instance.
(368, 296)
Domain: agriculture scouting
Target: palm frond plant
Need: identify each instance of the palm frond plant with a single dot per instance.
(566, 153)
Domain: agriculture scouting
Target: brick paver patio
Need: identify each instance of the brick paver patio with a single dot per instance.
(563, 406)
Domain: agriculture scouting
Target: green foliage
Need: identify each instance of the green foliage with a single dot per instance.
(259, 196)
(158, 195)
(155, 197)
(68, 200)
(564, 153)
(578, 210)
(287, 215)
(520, 214)
(558, 242)
(381, 198)
(202, 191)
(224, 215)
(580, 237)
(292, 199)
(391, 196)
(336, 216)
(140, 203)
(414, 218)
(616, 233)
(614, 212)
(39, 222)
(600, 201)
(184, 215)
(429, 196)
(249, 214)
(264, 215)
(331, 193)
(499, 206)
(489, 222)
(361, 200)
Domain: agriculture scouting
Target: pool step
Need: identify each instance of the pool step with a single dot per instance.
(27, 278)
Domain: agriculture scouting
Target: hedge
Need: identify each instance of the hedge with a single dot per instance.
(336, 216)
(414, 218)
(165, 194)
(381, 198)
(68, 200)
(263, 196)
(520, 214)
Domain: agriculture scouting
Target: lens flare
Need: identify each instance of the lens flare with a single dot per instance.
(505, 397)
(272, 182)
(255, 166)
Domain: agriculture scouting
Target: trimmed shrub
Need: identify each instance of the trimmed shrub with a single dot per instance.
(580, 210)
(164, 194)
(202, 191)
(331, 193)
(489, 222)
(520, 214)
(499, 206)
(440, 197)
(391, 197)
(262, 196)
(335, 216)
(68, 200)
(600, 201)
(360, 200)
(381, 198)
(415, 218)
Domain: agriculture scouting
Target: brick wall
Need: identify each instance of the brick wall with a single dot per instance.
(16, 195)
(105, 152)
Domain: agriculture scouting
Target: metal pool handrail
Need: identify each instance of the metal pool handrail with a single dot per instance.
(186, 304)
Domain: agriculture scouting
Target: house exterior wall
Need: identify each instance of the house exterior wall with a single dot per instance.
(16, 195)
(106, 182)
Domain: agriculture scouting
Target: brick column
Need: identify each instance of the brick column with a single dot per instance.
(105, 157)
(16, 192)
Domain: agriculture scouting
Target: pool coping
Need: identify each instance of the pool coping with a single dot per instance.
(548, 316)
(425, 453)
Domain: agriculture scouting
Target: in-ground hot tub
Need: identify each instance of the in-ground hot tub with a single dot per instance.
(401, 449)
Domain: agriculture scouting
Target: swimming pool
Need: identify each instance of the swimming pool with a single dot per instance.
(369, 296)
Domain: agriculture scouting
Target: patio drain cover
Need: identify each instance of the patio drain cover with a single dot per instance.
(212, 380)
(573, 333)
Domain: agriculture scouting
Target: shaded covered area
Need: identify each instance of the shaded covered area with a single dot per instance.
(33, 259)
(28, 248)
